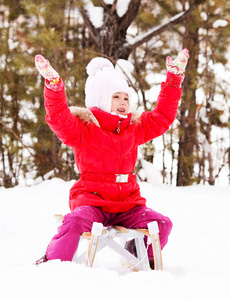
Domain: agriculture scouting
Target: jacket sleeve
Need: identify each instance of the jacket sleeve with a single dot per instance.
(68, 128)
(158, 121)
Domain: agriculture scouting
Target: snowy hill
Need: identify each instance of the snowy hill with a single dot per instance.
(196, 259)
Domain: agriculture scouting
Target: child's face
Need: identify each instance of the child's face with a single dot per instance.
(120, 103)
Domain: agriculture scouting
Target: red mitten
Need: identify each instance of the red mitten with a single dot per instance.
(173, 80)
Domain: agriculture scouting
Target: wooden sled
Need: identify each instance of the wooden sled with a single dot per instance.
(100, 237)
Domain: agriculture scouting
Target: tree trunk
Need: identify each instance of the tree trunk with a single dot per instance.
(187, 113)
(110, 38)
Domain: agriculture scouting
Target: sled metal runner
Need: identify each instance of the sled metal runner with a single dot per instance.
(101, 237)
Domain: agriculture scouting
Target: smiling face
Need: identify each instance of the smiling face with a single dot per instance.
(120, 103)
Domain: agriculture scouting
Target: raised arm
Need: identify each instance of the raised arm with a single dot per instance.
(67, 127)
(158, 121)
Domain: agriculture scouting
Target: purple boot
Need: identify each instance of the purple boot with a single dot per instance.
(43, 259)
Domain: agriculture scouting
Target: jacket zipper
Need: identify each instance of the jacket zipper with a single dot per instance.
(122, 150)
(118, 131)
(118, 127)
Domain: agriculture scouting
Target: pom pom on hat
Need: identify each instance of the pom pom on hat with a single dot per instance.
(102, 83)
(98, 63)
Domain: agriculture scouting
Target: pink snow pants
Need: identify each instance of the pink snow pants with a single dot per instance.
(64, 244)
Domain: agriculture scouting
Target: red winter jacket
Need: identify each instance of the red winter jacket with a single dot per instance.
(101, 151)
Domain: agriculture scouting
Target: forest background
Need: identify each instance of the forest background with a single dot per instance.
(137, 35)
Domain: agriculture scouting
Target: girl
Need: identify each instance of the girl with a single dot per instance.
(105, 137)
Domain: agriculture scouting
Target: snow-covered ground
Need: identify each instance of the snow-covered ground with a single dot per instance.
(196, 259)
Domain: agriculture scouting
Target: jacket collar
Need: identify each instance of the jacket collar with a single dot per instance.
(110, 122)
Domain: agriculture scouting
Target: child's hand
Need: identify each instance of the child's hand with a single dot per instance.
(46, 70)
(178, 65)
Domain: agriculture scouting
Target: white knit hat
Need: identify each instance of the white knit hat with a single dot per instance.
(102, 83)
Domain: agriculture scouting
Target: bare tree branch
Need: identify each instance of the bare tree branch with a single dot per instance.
(114, 6)
(111, 37)
(130, 15)
(138, 41)
(103, 4)
(16, 136)
(89, 25)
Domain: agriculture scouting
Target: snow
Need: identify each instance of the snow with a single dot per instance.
(95, 14)
(196, 258)
(136, 39)
(204, 16)
(121, 6)
(152, 174)
(220, 23)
